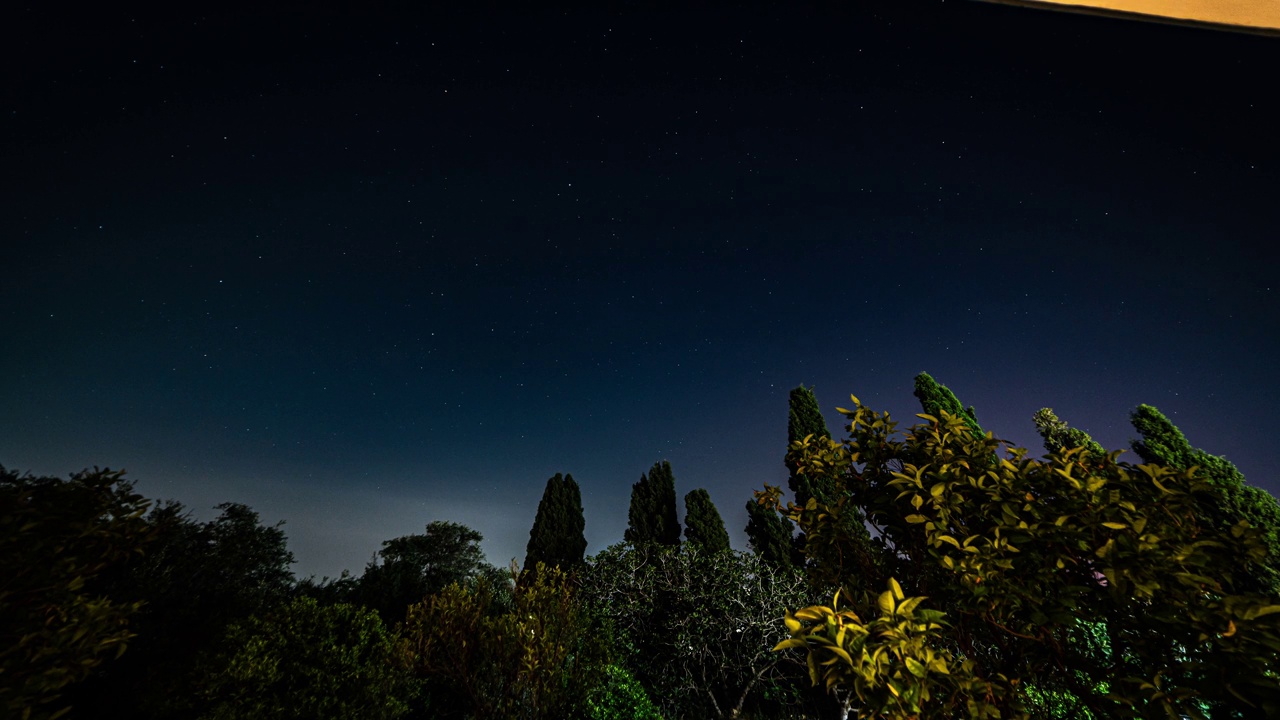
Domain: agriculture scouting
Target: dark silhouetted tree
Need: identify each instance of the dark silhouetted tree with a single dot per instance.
(702, 523)
(652, 517)
(770, 536)
(195, 579)
(557, 536)
(411, 567)
(57, 537)
(806, 426)
(804, 418)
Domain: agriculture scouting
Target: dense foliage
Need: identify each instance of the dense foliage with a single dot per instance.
(702, 523)
(1027, 557)
(771, 537)
(1233, 499)
(697, 627)
(410, 567)
(804, 418)
(304, 660)
(652, 515)
(935, 573)
(57, 538)
(936, 399)
(557, 535)
(539, 659)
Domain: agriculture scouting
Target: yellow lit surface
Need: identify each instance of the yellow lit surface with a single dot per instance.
(1249, 13)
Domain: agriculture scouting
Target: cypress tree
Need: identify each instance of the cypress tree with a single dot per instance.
(935, 398)
(856, 551)
(1058, 435)
(702, 523)
(557, 535)
(1163, 443)
(770, 536)
(652, 516)
(804, 418)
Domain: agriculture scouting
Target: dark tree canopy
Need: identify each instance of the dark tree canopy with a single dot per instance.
(1163, 443)
(936, 399)
(307, 660)
(557, 537)
(414, 566)
(804, 418)
(195, 578)
(702, 523)
(652, 517)
(57, 538)
(806, 427)
(770, 536)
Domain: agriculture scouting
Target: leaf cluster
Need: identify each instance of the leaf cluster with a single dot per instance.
(57, 538)
(1026, 553)
(896, 665)
(536, 660)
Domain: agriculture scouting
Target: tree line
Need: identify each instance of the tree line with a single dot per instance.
(933, 572)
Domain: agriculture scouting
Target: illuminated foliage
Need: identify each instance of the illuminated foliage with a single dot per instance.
(536, 660)
(1026, 555)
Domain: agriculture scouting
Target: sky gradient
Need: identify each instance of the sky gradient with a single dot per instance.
(366, 270)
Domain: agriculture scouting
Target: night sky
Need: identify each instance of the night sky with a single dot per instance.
(366, 270)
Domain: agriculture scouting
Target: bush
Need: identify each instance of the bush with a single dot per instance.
(620, 697)
(304, 660)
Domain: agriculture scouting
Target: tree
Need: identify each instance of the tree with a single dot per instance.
(411, 567)
(306, 660)
(696, 628)
(652, 516)
(770, 536)
(702, 523)
(194, 580)
(1027, 557)
(57, 539)
(858, 557)
(804, 418)
(538, 659)
(1059, 436)
(557, 537)
(1163, 443)
(936, 399)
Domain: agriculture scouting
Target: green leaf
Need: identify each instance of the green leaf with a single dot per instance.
(1255, 613)
(896, 588)
(915, 667)
(948, 539)
(886, 602)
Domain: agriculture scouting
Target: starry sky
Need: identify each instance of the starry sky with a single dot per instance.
(367, 269)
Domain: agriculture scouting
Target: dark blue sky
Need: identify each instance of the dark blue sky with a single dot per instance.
(367, 270)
